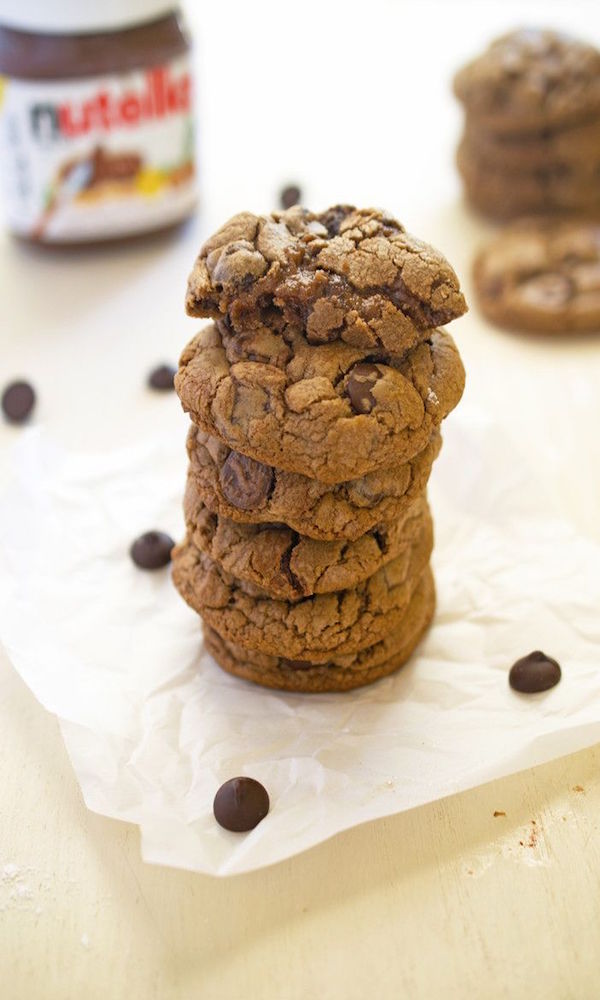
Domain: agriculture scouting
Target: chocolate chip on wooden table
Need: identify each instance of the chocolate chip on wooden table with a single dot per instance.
(152, 550)
(18, 400)
(161, 378)
(290, 196)
(534, 672)
(240, 804)
(359, 383)
(245, 482)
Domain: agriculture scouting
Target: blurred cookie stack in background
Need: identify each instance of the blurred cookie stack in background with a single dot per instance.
(316, 397)
(531, 141)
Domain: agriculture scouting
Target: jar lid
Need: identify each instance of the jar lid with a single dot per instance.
(80, 16)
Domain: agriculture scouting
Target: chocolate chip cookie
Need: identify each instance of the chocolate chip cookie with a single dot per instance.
(506, 193)
(341, 673)
(332, 412)
(566, 147)
(346, 274)
(238, 487)
(531, 79)
(542, 275)
(279, 561)
(313, 628)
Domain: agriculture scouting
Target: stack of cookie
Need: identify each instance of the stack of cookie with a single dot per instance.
(532, 132)
(316, 397)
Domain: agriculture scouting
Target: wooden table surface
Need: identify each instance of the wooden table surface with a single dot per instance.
(446, 901)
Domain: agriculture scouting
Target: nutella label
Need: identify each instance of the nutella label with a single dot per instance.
(100, 157)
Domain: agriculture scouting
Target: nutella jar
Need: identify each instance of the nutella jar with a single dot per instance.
(96, 119)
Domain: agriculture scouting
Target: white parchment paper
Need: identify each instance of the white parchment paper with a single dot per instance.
(153, 726)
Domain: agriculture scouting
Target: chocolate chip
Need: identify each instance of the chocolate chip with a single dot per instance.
(18, 400)
(290, 196)
(535, 672)
(240, 804)
(298, 664)
(152, 550)
(334, 218)
(245, 483)
(161, 378)
(359, 383)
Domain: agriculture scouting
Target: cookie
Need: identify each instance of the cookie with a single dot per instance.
(346, 274)
(531, 79)
(313, 628)
(247, 491)
(278, 560)
(503, 204)
(542, 275)
(332, 412)
(570, 146)
(341, 673)
(504, 194)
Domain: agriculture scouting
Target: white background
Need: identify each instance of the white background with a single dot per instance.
(352, 101)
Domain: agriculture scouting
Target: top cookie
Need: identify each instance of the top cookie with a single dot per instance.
(344, 274)
(531, 79)
(542, 275)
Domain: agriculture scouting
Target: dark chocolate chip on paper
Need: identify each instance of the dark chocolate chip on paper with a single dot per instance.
(534, 672)
(152, 550)
(240, 804)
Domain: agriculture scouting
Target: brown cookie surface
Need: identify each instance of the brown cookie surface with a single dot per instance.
(529, 79)
(346, 274)
(542, 275)
(313, 628)
(569, 146)
(288, 565)
(341, 673)
(331, 412)
(507, 193)
(316, 509)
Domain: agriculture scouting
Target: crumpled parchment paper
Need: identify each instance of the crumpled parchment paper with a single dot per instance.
(153, 726)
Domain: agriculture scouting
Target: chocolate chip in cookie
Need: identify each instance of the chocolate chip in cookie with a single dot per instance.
(245, 482)
(359, 384)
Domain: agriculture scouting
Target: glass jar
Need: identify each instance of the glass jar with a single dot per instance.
(96, 119)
